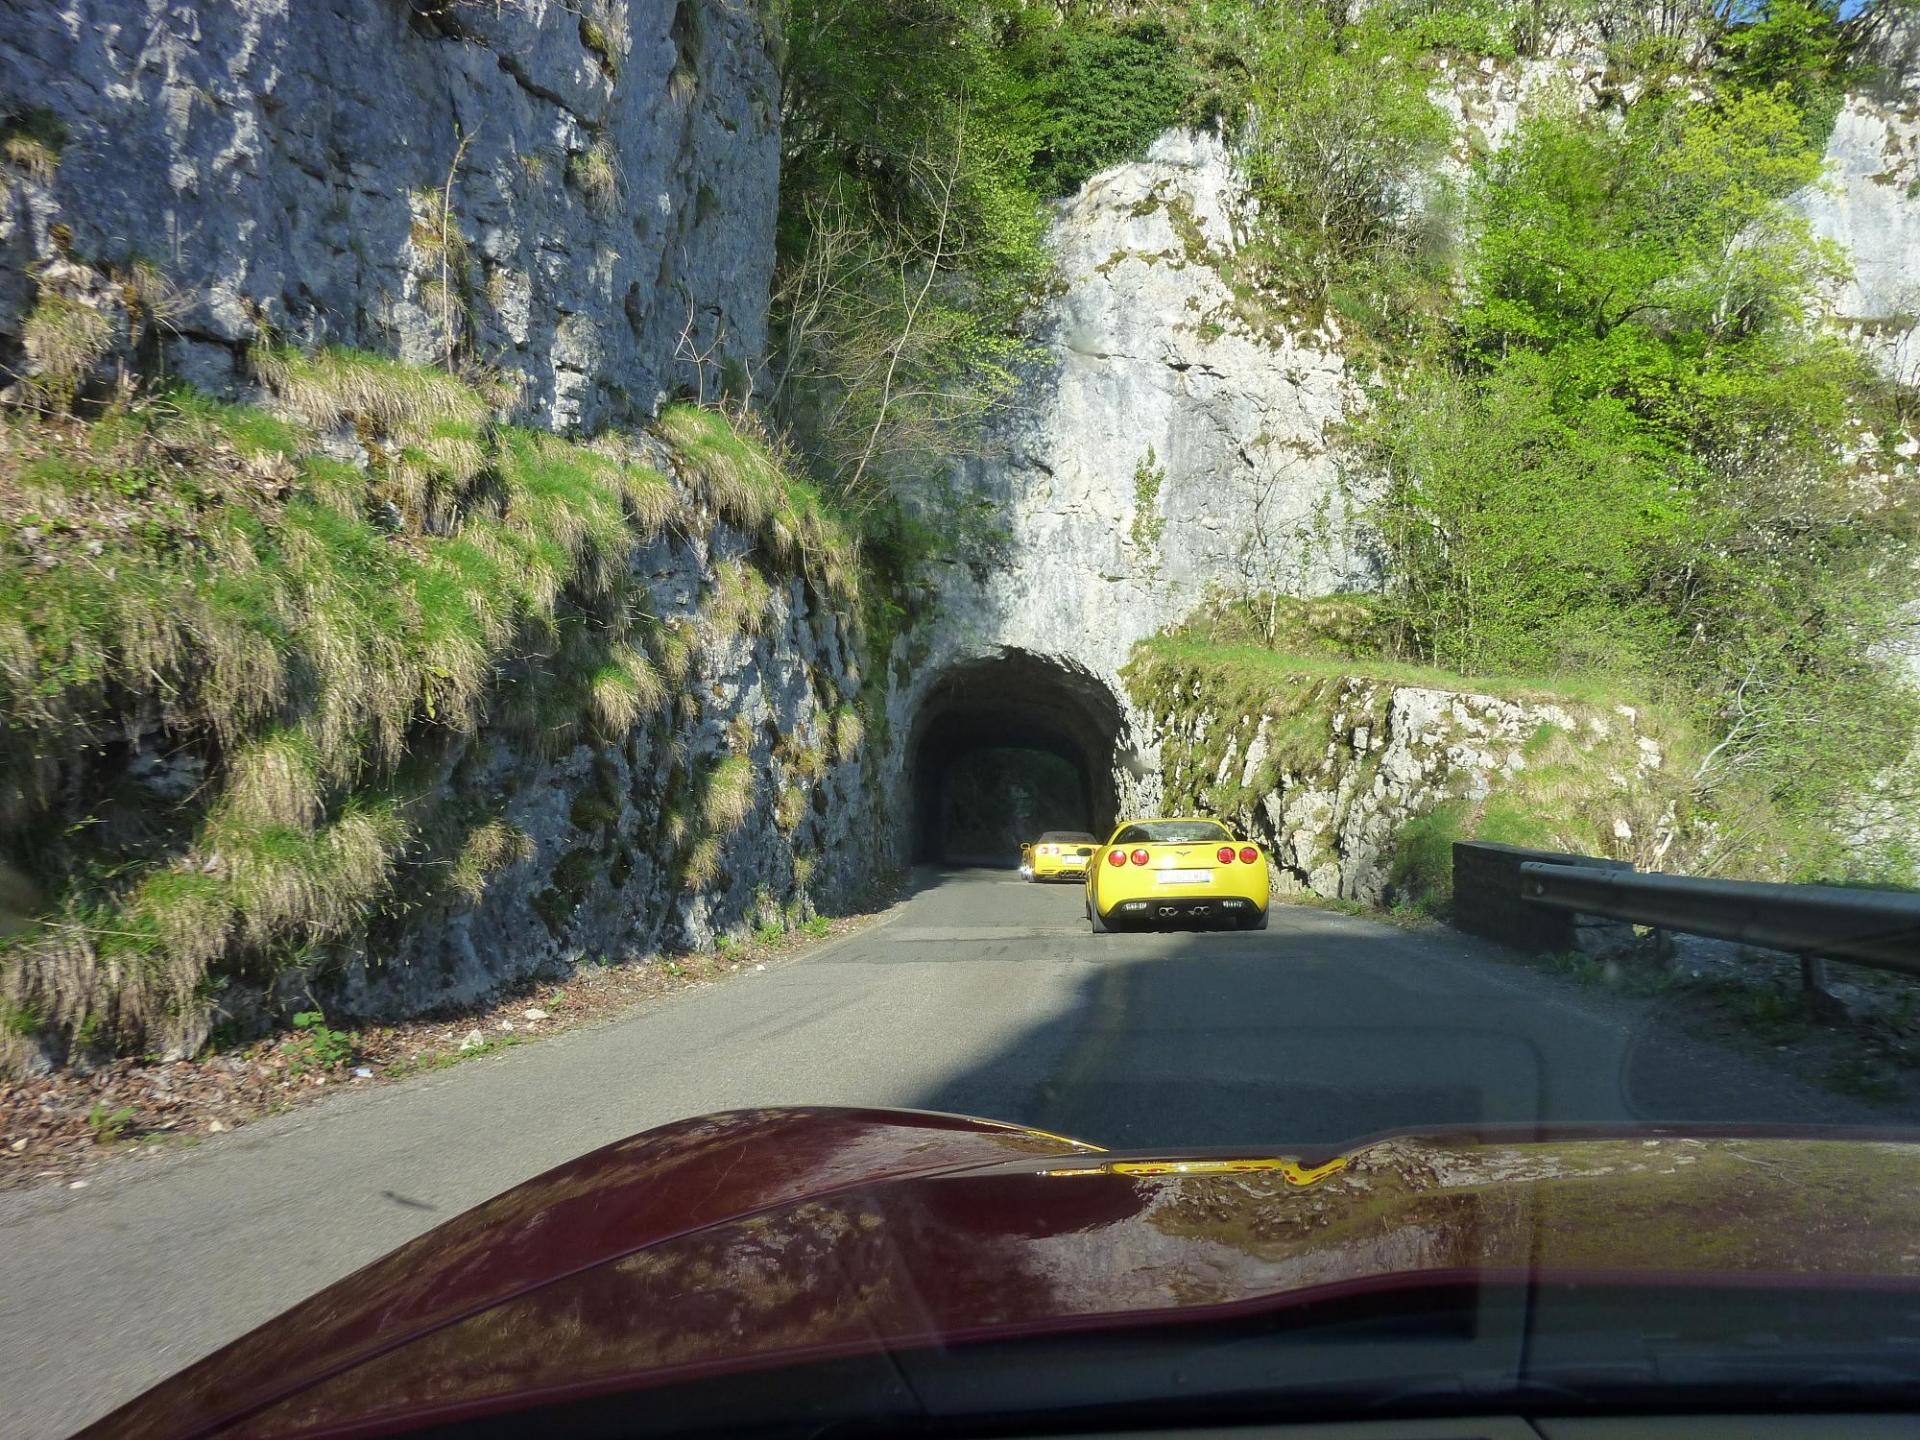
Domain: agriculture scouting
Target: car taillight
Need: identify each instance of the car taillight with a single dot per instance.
(1224, 854)
(1248, 854)
(1116, 857)
(1139, 857)
(1046, 849)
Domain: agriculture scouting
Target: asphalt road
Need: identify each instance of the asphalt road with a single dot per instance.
(977, 993)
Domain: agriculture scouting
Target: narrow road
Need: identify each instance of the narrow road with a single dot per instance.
(978, 993)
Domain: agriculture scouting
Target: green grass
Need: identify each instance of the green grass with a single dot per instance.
(728, 799)
(304, 625)
(1251, 664)
(741, 480)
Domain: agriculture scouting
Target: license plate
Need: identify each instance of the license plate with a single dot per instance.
(1184, 877)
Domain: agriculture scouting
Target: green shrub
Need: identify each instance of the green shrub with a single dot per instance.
(1422, 869)
(1093, 95)
(109, 1126)
(317, 1046)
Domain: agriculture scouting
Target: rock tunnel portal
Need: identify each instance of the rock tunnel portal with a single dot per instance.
(1007, 746)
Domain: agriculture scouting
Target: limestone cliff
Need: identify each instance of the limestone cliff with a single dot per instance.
(581, 194)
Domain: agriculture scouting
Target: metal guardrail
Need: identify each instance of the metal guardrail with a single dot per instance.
(1880, 928)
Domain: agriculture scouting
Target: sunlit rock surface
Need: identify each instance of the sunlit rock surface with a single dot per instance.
(1868, 205)
(1159, 449)
(560, 190)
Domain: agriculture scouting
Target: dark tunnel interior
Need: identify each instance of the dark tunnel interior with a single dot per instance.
(1005, 747)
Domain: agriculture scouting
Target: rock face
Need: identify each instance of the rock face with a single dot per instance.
(604, 873)
(1869, 206)
(560, 189)
(1332, 774)
(1160, 450)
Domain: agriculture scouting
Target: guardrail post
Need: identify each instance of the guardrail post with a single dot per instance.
(1824, 1004)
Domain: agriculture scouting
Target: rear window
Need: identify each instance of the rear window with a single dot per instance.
(1171, 832)
(1068, 837)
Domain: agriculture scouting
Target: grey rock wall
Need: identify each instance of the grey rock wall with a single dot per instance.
(1160, 450)
(604, 876)
(282, 163)
(1331, 785)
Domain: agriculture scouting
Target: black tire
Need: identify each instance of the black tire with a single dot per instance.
(1259, 922)
(1100, 926)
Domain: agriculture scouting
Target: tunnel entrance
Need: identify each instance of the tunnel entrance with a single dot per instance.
(1005, 747)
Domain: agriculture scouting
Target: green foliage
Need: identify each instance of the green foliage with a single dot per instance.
(1521, 529)
(1465, 27)
(1344, 129)
(1092, 95)
(909, 237)
(317, 1046)
(108, 1126)
(1148, 523)
(1797, 48)
(1628, 461)
(1422, 870)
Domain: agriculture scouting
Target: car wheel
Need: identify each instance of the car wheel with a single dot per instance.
(1100, 926)
(1259, 922)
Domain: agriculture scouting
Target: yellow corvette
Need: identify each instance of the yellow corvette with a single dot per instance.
(1058, 855)
(1158, 872)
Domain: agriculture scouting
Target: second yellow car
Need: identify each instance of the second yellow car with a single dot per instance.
(1058, 855)
(1164, 872)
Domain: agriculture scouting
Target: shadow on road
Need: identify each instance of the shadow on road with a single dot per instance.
(1220, 1040)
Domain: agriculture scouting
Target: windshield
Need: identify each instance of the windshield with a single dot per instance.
(1170, 832)
(1104, 683)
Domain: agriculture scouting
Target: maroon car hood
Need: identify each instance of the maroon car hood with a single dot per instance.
(759, 1238)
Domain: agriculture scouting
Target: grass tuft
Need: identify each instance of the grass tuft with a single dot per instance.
(272, 781)
(703, 863)
(728, 800)
(846, 732)
(326, 387)
(64, 337)
(490, 846)
(595, 173)
(625, 691)
(31, 141)
(737, 599)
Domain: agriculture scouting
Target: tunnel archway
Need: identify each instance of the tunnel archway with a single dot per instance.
(1005, 746)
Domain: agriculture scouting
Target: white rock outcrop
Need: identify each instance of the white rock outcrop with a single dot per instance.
(1868, 205)
(1161, 449)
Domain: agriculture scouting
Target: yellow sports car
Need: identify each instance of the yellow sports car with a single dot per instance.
(1058, 855)
(1158, 872)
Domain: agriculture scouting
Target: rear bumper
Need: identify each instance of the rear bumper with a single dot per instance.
(1151, 910)
(1076, 873)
